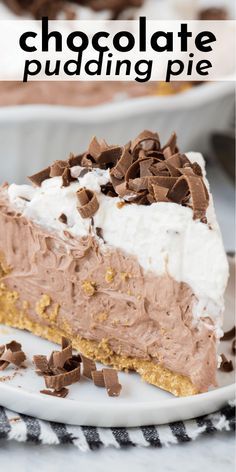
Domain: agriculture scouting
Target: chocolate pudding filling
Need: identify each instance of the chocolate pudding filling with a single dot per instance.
(103, 295)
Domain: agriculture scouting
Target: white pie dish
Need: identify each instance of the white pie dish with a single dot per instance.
(32, 135)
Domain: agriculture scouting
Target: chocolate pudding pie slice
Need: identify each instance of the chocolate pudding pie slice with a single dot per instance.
(119, 250)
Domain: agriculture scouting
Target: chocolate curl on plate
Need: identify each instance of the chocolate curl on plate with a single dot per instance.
(41, 364)
(57, 382)
(56, 393)
(88, 203)
(11, 353)
(111, 382)
(60, 370)
(88, 366)
(59, 358)
(107, 378)
(196, 187)
(98, 378)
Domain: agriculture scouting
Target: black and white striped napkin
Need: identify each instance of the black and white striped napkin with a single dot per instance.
(24, 428)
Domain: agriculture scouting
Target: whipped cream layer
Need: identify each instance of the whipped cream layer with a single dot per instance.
(163, 237)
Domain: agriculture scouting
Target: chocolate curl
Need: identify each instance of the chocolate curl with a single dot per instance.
(151, 139)
(145, 183)
(98, 378)
(102, 153)
(226, 365)
(63, 218)
(57, 382)
(228, 335)
(16, 358)
(122, 165)
(197, 169)
(110, 156)
(167, 153)
(38, 178)
(195, 186)
(88, 203)
(165, 168)
(41, 364)
(11, 353)
(138, 168)
(96, 147)
(111, 382)
(88, 366)
(61, 168)
(74, 160)
(146, 167)
(57, 168)
(186, 171)
(171, 145)
(160, 193)
(60, 393)
(87, 161)
(123, 190)
(178, 160)
(59, 358)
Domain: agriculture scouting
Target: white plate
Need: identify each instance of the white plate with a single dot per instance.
(138, 404)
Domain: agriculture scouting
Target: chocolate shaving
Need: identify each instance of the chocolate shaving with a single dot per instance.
(98, 378)
(57, 168)
(41, 364)
(56, 393)
(88, 203)
(59, 358)
(195, 186)
(63, 218)
(57, 382)
(228, 335)
(38, 178)
(149, 139)
(226, 365)
(11, 353)
(123, 164)
(111, 382)
(171, 145)
(160, 193)
(99, 233)
(61, 369)
(88, 366)
(139, 171)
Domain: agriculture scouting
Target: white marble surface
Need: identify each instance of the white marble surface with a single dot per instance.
(211, 454)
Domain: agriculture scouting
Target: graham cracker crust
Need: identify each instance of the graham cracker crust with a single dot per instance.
(149, 371)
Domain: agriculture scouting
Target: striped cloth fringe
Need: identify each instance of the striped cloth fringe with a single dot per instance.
(23, 428)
